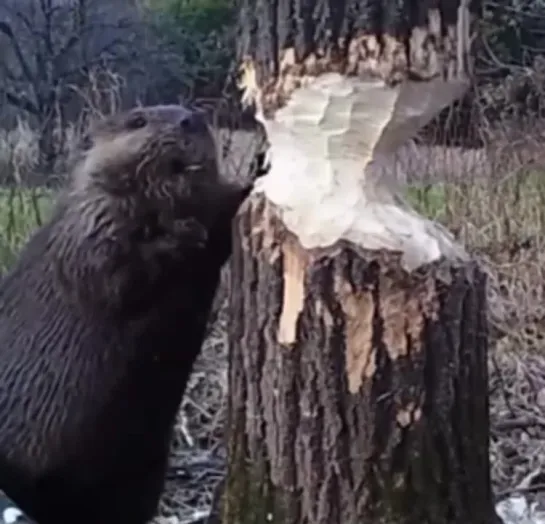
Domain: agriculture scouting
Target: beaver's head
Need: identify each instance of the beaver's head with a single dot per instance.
(157, 153)
(145, 197)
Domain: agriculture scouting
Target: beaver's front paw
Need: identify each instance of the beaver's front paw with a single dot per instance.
(190, 230)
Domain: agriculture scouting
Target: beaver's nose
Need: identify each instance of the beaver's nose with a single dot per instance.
(194, 121)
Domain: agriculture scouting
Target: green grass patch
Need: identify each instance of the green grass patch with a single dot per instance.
(487, 210)
(21, 212)
(429, 200)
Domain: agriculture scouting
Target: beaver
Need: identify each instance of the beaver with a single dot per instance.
(103, 315)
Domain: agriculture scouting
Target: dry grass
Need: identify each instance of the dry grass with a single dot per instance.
(493, 200)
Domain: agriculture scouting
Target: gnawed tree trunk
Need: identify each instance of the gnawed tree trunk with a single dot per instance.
(358, 338)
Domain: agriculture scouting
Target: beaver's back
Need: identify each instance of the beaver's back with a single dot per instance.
(103, 316)
(87, 404)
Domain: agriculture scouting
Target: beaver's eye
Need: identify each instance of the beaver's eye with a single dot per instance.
(195, 122)
(136, 122)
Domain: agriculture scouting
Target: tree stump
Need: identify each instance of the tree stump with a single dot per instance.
(358, 337)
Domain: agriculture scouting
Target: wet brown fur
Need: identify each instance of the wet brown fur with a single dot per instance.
(103, 315)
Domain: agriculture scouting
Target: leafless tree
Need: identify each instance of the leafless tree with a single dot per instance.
(50, 46)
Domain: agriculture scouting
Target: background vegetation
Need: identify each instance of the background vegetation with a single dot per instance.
(479, 169)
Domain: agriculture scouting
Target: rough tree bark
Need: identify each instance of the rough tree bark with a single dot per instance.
(358, 338)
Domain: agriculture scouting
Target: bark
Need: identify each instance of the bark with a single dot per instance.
(288, 40)
(358, 390)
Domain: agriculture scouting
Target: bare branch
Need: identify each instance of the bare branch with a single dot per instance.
(6, 29)
(77, 36)
(6, 73)
(22, 102)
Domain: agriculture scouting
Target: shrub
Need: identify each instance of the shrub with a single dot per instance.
(200, 33)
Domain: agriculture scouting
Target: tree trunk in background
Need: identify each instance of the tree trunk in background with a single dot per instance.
(358, 337)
